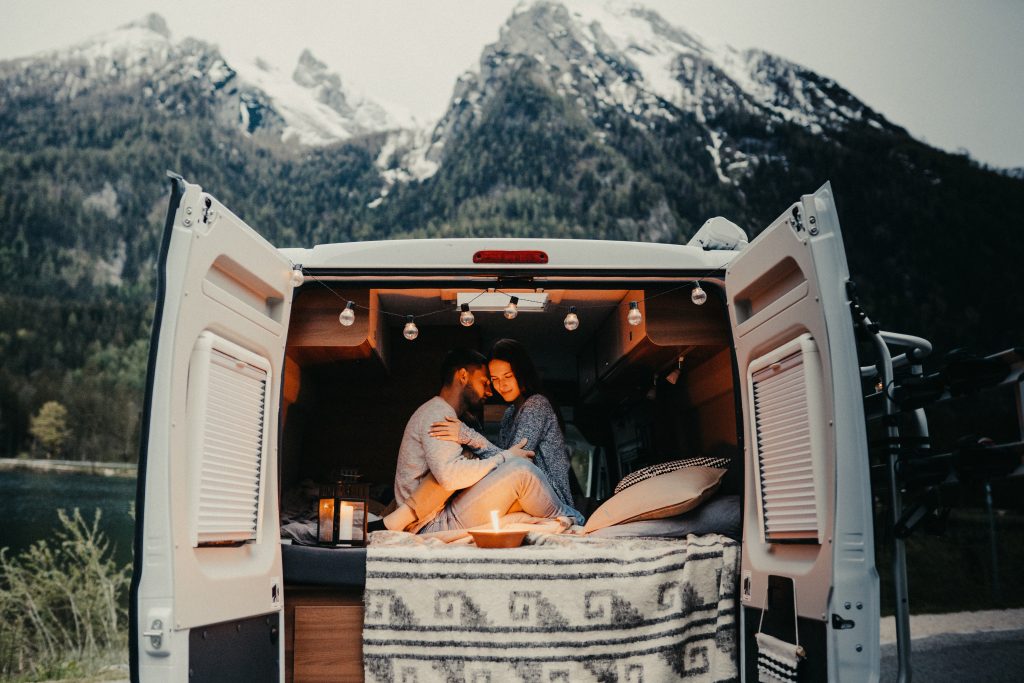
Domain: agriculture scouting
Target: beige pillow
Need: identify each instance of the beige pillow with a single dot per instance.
(662, 468)
(665, 495)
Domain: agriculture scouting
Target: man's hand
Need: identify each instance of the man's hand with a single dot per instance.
(449, 430)
(518, 451)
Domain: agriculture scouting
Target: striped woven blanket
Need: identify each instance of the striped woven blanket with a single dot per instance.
(563, 608)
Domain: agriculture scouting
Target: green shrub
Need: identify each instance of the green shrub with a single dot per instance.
(63, 604)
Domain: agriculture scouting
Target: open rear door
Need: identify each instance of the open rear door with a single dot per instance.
(807, 530)
(206, 599)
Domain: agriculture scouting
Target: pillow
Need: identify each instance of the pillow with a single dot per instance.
(662, 468)
(656, 497)
(720, 515)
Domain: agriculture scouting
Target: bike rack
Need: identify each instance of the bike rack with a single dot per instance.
(909, 459)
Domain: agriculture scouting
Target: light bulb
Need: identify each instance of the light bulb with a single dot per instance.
(634, 317)
(698, 295)
(572, 321)
(297, 278)
(512, 310)
(410, 331)
(466, 318)
(348, 316)
(673, 376)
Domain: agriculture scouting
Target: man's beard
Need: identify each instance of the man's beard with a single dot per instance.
(471, 400)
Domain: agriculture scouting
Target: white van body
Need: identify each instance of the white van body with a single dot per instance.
(208, 591)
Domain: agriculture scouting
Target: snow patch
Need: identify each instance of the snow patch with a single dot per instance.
(404, 156)
(305, 104)
(714, 149)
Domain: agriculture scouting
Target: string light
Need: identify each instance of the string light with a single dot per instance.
(348, 316)
(512, 310)
(572, 321)
(410, 331)
(698, 295)
(634, 317)
(466, 318)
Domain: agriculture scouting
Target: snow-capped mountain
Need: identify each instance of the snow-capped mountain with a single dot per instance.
(616, 56)
(580, 121)
(307, 104)
(315, 107)
(624, 56)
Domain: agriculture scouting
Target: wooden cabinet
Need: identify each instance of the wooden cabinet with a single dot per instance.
(316, 336)
(323, 636)
(623, 356)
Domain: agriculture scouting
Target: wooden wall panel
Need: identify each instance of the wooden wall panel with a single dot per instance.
(328, 644)
(323, 635)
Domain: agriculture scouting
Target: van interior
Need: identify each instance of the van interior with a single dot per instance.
(631, 396)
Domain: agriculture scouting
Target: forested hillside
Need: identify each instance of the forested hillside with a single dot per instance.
(531, 146)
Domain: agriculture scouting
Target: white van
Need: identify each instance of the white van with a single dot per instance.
(250, 366)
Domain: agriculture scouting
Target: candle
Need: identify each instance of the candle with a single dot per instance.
(345, 522)
(326, 521)
(494, 520)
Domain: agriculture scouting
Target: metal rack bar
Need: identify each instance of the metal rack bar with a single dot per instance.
(899, 549)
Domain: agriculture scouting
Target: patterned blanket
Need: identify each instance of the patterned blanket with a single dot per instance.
(562, 608)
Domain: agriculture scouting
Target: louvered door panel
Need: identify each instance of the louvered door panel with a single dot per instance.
(228, 391)
(785, 389)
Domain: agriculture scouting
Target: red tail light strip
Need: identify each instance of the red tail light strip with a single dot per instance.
(505, 256)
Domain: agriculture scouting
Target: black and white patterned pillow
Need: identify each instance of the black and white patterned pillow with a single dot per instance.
(672, 466)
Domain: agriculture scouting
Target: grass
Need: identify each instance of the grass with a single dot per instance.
(63, 606)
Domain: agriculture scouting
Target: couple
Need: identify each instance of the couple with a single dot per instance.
(441, 456)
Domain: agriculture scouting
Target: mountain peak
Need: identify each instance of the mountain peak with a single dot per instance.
(310, 72)
(306, 59)
(152, 22)
(623, 60)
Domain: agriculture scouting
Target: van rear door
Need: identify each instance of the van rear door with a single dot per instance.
(808, 570)
(206, 598)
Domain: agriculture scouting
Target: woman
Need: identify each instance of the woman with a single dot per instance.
(530, 416)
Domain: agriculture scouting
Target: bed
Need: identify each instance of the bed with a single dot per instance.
(559, 608)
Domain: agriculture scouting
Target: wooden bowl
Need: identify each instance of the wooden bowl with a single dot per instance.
(503, 538)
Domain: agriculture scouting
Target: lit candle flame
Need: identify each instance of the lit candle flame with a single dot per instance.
(494, 520)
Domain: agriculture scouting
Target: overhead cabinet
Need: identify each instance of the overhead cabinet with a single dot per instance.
(622, 354)
(317, 336)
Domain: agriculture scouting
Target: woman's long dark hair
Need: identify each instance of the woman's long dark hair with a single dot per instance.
(527, 377)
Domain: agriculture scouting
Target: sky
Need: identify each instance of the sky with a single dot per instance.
(947, 70)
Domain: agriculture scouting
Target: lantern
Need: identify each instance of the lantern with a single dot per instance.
(341, 512)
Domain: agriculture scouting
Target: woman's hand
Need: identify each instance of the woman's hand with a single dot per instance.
(519, 451)
(449, 430)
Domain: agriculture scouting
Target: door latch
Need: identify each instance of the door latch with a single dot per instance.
(840, 624)
(796, 222)
(157, 636)
(155, 633)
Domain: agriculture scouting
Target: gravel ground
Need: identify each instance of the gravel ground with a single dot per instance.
(927, 625)
(965, 646)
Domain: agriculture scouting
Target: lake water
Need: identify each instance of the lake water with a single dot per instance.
(29, 503)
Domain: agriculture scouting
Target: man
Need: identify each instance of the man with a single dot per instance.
(506, 481)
